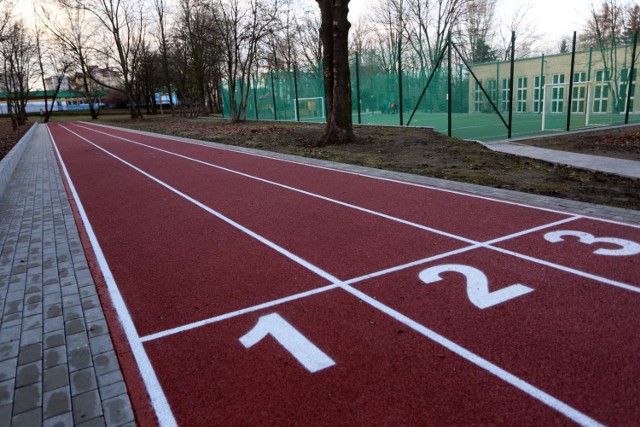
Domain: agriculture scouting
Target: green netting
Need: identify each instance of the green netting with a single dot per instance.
(469, 100)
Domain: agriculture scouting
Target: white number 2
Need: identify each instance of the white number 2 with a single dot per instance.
(477, 285)
(627, 247)
(305, 352)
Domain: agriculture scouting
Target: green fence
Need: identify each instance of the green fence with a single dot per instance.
(484, 100)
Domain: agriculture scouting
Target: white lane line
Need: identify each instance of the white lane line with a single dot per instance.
(487, 245)
(273, 303)
(330, 278)
(522, 385)
(297, 190)
(154, 389)
(504, 375)
(230, 315)
(379, 178)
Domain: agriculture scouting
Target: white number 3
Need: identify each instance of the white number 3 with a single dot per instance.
(627, 247)
(477, 285)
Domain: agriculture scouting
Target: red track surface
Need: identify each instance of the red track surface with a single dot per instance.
(219, 237)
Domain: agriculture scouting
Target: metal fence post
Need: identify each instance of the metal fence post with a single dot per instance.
(570, 99)
(295, 90)
(630, 77)
(358, 87)
(273, 95)
(449, 94)
(513, 58)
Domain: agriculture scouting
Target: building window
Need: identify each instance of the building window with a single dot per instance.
(477, 97)
(624, 74)
(538, 88)
(579, 93)
(521, 95)
(492, 90)
(601, 92)
(506, 83)
(557, 93)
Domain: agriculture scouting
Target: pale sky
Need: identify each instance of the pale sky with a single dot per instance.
(553, 19)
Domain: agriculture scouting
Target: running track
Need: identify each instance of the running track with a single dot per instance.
(251, 290)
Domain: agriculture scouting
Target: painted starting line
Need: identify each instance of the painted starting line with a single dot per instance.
(477, 288)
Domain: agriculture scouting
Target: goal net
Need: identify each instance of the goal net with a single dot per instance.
(310, 109)
(589, 103)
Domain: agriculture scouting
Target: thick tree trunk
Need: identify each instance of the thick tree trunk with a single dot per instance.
(334, 34)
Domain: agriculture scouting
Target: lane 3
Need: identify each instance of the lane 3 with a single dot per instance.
(467, 216)
(483, 217)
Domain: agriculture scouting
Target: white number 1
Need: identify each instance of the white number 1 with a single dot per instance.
(305, 352)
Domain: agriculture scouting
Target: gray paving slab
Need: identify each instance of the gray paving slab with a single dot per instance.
(49, 305)
(622, 167)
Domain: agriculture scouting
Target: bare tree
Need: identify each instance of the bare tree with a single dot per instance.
(123, 21)
(611, 25)
(69, 24)
(51, 61)
(18, 51)
(242, 25)
(526, 34)
(160, 7)
(476, 31)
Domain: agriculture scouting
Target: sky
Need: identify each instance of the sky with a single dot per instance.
(553, 19)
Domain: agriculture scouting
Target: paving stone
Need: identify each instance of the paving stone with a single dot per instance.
(113, 390)
(27, 398)
(62, 420)
(53, 324)
(55, 377)
(101, 344)
(57, 402)
(106, 362)
(9, 350)
(55, 356)
(97, 328)
(29, 418)
(7, 391)
(80, 358)
(29, 374)
(8, 368)
(30, 353)
(86, 406)
(54, 339)
(118, 411)
(31, 336)
(74, 326)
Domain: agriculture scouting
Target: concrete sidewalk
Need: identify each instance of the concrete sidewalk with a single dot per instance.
(57, 362)
(628, 168)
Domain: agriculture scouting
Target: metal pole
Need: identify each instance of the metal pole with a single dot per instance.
(255, 94)
(295, 88)
(630, 77)
(400, 69)
(541, 85)
(513, 58)
(273, 95)
(573, 63)
(449, 97)
(358, 87)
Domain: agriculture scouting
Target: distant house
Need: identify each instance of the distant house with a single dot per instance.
(66, 101)
(111, 78)
(542, 84)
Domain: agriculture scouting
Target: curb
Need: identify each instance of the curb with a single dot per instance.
(10, 161)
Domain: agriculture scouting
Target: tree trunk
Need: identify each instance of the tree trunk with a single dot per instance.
(334, 34)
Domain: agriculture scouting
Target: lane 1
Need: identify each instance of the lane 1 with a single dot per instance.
(342, 241)
(465, 215)
(383, 374)
(575, 338)
(173, 262)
